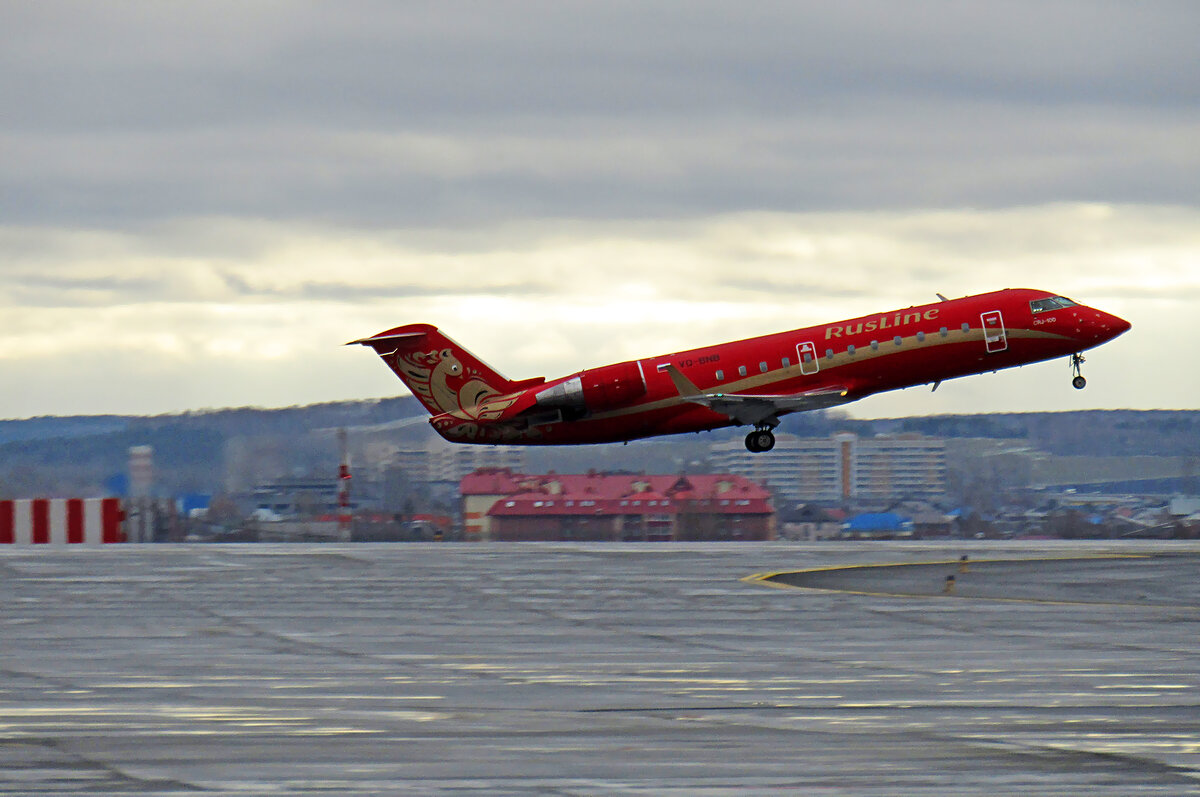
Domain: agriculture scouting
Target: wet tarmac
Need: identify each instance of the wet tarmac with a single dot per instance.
(600, 669)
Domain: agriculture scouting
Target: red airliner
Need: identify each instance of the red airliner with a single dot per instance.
(751, 382)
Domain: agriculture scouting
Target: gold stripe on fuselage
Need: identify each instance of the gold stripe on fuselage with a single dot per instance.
(759, 381)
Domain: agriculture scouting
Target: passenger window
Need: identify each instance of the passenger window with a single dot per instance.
(720, 376)
(875, 345)
(829, 354)
(786, 362)
(850, 350)
(762, 367)
(920, 337)
(741, 370)
(943, 332)
(897, 340)
(966, 327)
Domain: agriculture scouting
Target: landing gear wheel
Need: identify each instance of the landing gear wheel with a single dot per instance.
(760, 440)
(1076, 367)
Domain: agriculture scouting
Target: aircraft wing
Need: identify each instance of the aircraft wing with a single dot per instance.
(749, 409)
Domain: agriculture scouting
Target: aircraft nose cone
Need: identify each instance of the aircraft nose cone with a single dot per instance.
(1109, 326)
(1117, 326)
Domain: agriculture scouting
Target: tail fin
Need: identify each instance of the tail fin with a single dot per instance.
(443, 375)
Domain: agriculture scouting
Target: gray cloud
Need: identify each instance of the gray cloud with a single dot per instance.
(409, 115)
(979, 156)
(370, 63)
(48, 291)
(230, 190)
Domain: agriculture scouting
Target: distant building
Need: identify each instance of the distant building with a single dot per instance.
(895, 466)
(296, 498)
(439, 461)
(843, 466)
(930, 524)
(141, 471)
(500, 504)
(810, 522)
(878, 525)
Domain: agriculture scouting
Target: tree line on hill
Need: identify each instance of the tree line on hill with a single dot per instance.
(192, 451)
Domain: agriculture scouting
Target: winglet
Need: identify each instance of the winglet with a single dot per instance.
(684, 385)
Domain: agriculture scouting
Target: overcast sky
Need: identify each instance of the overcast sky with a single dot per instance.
(200, 201)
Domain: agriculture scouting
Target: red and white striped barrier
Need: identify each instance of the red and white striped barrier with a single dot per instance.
(56, 521)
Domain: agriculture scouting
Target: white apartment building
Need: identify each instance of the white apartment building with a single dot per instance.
(440, 461)
(843, 466)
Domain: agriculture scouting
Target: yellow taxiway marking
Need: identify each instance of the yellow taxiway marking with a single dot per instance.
(766, 579)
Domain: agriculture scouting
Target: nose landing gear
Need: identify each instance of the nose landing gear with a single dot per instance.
(1079, 383)
(760, 440)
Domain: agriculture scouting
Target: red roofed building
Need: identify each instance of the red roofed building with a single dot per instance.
(499, 504)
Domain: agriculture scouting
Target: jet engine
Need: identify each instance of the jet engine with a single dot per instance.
(596, 390)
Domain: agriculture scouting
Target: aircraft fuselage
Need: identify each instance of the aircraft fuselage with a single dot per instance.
(744, 382)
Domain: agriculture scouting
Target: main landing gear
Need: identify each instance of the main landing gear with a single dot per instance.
(760, 440)
(1079, 383)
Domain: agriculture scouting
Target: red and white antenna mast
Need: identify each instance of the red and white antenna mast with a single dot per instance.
(345, 517)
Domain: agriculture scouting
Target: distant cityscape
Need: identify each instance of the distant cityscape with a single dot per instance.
(272, 475)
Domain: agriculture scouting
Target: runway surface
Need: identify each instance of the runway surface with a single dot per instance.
(600, 669)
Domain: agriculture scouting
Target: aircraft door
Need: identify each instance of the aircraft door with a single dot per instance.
(807, 353)
(994, 337)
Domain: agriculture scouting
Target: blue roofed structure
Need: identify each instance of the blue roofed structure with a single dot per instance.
(878, 524)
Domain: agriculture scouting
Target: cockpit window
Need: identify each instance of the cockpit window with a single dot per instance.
(1053, 303)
